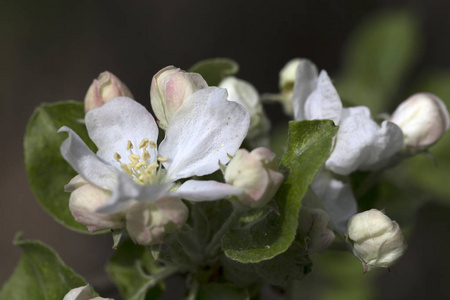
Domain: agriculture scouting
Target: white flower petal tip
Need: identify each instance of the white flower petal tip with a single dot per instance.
(91, 167)
(377, 240)
(203, 131)
(169, 89)
(82, 293)
(423, 118)
(255, 173)
(244, 93)
(148, 222)
(195, 190)
(119, 125)
(106, 87)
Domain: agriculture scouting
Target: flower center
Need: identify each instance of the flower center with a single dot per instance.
(142, 168)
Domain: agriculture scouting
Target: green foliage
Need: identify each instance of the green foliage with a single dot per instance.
(40, 274)
(130, 269)
(309, 146)
(377, 57)
(222, 291)
(215, 69)
(47, 170)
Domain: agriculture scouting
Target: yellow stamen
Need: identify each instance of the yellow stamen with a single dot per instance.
(152, 166)
(134, 158)
(143, 144)
(126, 169)
(129, 145)
(117, 157)
(145, 155)
(162, 159)
(139, 165)
(152, 144)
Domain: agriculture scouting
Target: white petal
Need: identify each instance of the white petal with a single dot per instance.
(203, 131)
(80, 293)
(196, 190)
(362, 144)
(242, 92)
(324, 102)
(338, 199)
(305, 84)
(388, 141)
(86, 163)
(354, 139)
(128, 191)
(115, 123)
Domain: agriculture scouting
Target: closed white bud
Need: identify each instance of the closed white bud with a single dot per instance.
(377, 240)
(256, 174)
(148, 222)
(170, 87)
(82, 293)
(423, 118)
(286, 84)
(106, 87)
(245, 94)
(85, 199)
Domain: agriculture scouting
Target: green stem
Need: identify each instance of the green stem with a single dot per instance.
(155, 279)
(193, 291)
(215, 242)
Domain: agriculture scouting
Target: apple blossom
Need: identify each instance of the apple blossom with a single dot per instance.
(244, 93)
(203, 131)
(360, 143)
(423, 118)
(106, 87)
(255, 173)
(169, 88)
(377, 240)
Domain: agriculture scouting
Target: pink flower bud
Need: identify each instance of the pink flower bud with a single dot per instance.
(85, 199)
(103, 89)
(314, 226)
(170, 87)
(377, 240)
(423, 118)
(256, 174)
(148, 222)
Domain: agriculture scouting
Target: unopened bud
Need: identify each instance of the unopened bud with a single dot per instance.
(148, 222)
(256, 174)
(423, 118)
(85, 199)
(245, 94)
(170, 87)
(106, 87)
(377, 240)
(286, 84)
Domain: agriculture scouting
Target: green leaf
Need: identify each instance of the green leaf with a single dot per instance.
(47, 171)
(309, 146)
(378, 56)
(40, 274)
(293, 264)
(215, 69)
(130, 268)
(222, 291)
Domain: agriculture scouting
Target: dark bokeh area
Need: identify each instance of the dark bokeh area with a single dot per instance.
(52, 50)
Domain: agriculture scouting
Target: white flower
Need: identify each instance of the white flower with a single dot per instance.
(205, 129)
(103, 89)
(377, 240)
(423, 118)
(255, 173)
(360, 143)
(170, 88)
(82, 293)
(244, 93)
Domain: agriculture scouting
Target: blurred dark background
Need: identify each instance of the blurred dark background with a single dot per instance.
(52, 50)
